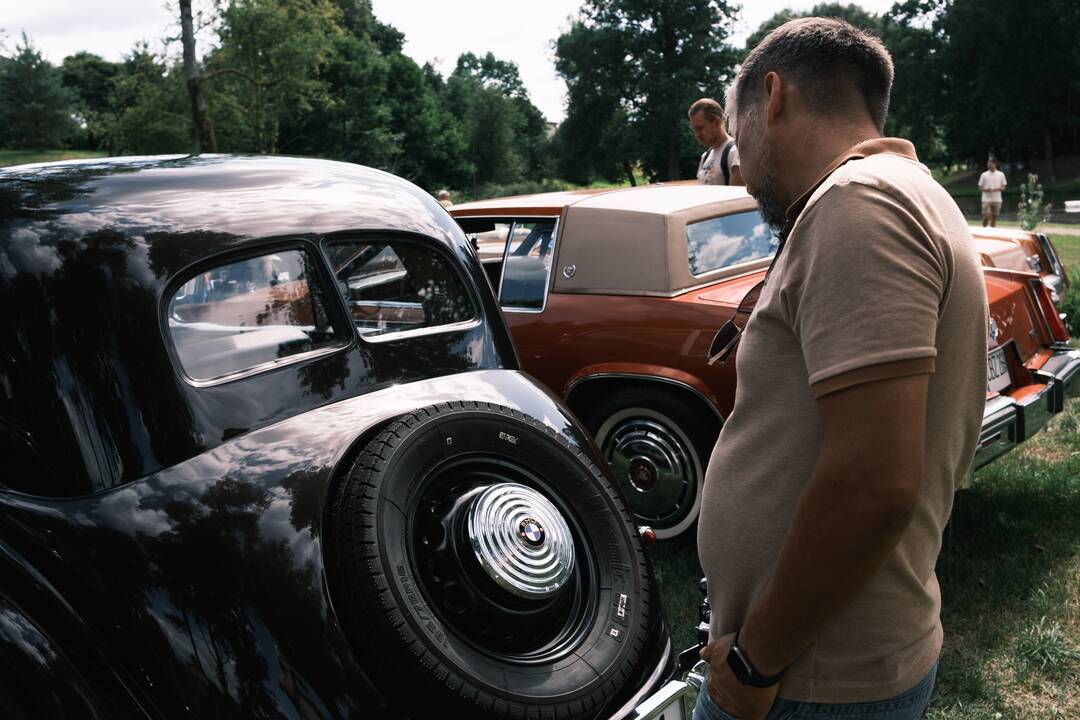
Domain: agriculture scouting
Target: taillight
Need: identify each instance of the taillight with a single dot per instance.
(1049, 312)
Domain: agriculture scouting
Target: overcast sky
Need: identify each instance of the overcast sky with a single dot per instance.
(438, 30)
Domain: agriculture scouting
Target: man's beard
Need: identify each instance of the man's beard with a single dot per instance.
(771, 204)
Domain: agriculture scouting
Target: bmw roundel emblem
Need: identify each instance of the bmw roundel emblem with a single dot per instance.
(531, 532)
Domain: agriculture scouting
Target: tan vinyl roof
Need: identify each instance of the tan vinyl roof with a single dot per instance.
(627, 241)
(634, 242)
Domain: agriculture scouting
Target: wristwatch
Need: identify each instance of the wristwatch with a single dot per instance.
(744, 669)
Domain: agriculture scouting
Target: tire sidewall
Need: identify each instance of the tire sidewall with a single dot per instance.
(620, 619)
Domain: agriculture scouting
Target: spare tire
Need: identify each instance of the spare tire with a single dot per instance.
(482, 566)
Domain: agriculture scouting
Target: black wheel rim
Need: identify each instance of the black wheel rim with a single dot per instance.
(466, 599)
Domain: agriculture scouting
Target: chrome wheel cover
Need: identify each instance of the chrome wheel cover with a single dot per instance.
(656, 466)
(521, 540)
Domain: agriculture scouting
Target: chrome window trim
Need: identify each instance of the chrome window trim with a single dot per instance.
(419, 332)
(547, 279)
(1048, 248)
(228, 257)
(650, 378)
(265, 367)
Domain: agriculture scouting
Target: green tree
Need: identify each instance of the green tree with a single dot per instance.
(150, 109)
(504, 134)
(35, 107)
(90, 79)
(1010, 72)
(857, 16)
(633, 67)
(918, 103)
(269, 60)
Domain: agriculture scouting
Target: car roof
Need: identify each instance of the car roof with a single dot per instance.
(659, 198)
(232, 198)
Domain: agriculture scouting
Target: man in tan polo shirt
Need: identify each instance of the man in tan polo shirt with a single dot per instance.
(861, 386)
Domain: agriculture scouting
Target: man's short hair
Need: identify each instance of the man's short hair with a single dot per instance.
(712, 109)
(822, 56)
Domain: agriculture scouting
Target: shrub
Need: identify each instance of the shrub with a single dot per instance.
(1033, 209)
(1070, 305)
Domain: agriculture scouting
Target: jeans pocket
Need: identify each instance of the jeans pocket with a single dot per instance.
(706, 708)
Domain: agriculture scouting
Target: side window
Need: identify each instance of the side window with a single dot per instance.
(527, 265)
(725, 241)
(489, 239)
(249, 314)
(393, 286)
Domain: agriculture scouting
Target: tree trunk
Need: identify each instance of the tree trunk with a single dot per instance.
(199, 115)
(1048, 144)
(630, 173)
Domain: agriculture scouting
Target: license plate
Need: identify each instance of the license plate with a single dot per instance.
(997, 371)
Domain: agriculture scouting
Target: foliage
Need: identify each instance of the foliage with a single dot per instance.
(854, 14)
(149, 108)
(1009, 68)
(632, 68)
(90, 78)
(35, 107)
(1070, 305)
(1033, 210)
(270, 56)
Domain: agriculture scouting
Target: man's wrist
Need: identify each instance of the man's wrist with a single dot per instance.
(759, 652)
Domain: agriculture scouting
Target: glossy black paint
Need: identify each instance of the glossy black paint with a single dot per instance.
(165, 557)
(87, 251)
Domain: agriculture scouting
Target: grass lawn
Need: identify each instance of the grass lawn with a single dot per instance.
(22, 157)
(1010, 579)
(1068, 247)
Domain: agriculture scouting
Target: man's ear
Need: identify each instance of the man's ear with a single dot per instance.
(774, 97)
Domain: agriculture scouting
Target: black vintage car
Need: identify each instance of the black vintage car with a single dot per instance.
(267, 453)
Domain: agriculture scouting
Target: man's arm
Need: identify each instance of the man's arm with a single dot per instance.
(736, 176)
(852, 513)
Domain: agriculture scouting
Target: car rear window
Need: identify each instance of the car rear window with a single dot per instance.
(250, 314)
(393, 286)
(722, 242)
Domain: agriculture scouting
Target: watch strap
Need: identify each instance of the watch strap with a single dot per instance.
(744, 670)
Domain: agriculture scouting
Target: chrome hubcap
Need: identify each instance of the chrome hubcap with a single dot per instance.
(655, 466)
(520, 540)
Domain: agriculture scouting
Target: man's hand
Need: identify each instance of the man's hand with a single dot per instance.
(734, 698)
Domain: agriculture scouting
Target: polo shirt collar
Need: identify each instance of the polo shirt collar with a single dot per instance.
(875, 146)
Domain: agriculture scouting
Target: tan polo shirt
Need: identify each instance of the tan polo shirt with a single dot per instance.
(879, 278)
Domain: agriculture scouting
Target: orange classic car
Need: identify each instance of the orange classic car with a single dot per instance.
(613, 297)
(1023, 250)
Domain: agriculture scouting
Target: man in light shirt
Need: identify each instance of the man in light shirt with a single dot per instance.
(719, 163)
(991, 182)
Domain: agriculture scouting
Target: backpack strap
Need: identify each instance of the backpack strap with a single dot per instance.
(724, 161)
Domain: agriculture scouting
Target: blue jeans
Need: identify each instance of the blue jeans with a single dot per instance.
(909, 705)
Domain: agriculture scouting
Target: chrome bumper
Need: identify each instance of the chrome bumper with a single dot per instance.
(1008, 422)
(1064, 369)
(676, 699)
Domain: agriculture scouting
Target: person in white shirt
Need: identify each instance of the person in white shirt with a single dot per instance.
(991, 182)
(719, 163)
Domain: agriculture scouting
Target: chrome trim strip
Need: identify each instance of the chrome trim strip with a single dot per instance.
(1000, 431)
(264, 367)
(638, 376)
(1048, 248)
(419, 332)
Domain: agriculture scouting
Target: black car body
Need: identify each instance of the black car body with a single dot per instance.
(248, 410)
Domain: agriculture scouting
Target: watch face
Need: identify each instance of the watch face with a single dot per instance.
(739, 666)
